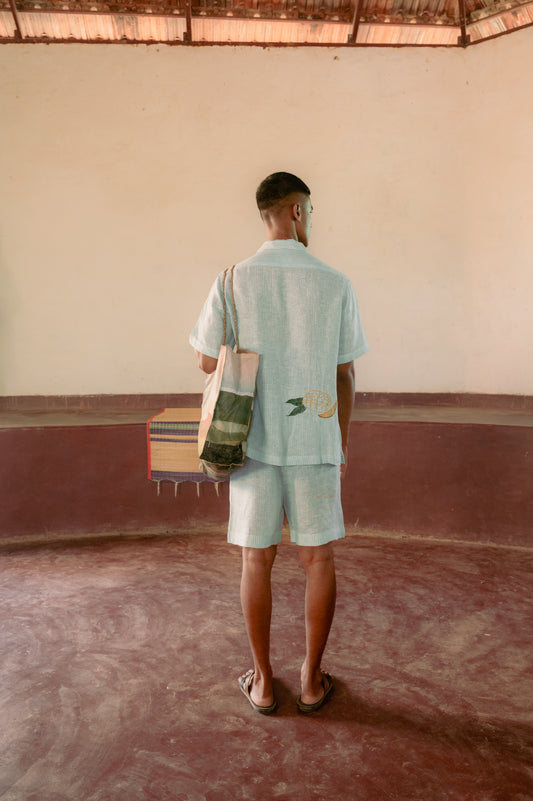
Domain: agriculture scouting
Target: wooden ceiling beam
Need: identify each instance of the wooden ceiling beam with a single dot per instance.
(187, 36)
(464, 38)
(352, 39)
(18, 30)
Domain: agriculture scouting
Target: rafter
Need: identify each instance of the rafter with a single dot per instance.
(18, 29)
(464, 39)
(188, 17)
(356, 22)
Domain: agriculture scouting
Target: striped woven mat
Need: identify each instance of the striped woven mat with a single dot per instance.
(172, 437)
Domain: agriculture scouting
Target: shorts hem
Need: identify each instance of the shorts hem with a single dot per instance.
(314, 540)
(310, 541)
(252, 542)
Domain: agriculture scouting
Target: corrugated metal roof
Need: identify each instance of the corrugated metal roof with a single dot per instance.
(264, 22)
(495, 24)
(98, 27)
(269, 31)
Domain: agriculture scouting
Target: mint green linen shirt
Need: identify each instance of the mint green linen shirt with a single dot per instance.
(302, 317)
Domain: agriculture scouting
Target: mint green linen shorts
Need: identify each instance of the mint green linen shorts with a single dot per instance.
(310, 495)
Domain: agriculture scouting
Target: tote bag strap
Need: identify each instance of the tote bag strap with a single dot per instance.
(232, 305)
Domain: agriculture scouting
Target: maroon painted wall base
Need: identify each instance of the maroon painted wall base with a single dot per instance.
(472, 482)
(90, 478)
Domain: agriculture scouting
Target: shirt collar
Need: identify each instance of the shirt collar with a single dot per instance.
(281, 244)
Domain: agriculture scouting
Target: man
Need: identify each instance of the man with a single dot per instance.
(302, 317)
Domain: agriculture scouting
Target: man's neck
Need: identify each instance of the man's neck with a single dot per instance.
(281, 232)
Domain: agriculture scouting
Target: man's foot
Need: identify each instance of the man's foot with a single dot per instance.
(245, 683)
(327, 689)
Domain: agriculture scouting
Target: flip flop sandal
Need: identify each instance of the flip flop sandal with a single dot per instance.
(245, 683)
(303, 707)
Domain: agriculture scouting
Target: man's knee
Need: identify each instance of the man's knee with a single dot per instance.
(259, 557)
(311, 555)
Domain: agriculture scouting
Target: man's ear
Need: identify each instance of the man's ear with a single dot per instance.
(297, 211)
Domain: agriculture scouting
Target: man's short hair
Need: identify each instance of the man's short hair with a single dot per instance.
(277, 187)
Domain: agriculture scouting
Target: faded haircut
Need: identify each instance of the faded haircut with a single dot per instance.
(277, 187)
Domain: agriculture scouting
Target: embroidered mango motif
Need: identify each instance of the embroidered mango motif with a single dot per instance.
(315, 400)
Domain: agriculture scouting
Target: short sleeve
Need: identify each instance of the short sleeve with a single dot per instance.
(208, 333)
(352, 339)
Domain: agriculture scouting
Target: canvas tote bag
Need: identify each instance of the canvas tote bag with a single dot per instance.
(227, 403)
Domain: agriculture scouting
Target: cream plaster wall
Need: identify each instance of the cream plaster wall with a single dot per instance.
(128, 176)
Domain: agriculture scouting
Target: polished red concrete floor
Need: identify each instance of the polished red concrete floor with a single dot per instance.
(119, 662)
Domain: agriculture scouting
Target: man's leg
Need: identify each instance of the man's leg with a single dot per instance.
(256, 601)
(320, 597)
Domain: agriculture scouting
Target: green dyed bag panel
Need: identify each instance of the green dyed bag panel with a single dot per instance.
(222, 431)
(220, 455)
(233, 408)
